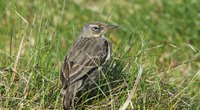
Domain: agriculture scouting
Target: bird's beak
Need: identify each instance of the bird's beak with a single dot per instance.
(109, 27)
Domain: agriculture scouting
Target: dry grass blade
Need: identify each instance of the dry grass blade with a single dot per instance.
(20, 47)
(130, 96)
(18, 55)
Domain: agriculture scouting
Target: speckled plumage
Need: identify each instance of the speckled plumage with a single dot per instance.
(90, 51)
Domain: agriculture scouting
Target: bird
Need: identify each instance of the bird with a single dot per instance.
(90, 51)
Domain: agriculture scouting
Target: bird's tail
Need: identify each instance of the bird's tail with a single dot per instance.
(66, 102)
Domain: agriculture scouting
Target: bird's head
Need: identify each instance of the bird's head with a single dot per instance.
(96, 29)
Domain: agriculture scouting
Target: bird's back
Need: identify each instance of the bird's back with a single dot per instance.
(87, 53)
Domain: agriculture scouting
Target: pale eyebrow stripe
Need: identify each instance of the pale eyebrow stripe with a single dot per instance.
(93, 25)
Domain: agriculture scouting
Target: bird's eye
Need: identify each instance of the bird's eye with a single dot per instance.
(95, 28)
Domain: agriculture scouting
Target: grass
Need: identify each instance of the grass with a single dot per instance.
(161, 36)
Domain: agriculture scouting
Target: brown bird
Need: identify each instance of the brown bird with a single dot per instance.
(90, 51)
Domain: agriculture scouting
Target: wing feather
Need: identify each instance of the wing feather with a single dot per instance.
(85, 54)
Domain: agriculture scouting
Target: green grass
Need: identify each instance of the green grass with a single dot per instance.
(161, 36)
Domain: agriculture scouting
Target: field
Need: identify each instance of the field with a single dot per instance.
(157, 39)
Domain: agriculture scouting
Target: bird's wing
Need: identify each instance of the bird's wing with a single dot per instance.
(85, 55)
